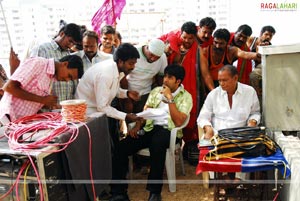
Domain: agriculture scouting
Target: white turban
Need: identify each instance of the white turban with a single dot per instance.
(156, 47)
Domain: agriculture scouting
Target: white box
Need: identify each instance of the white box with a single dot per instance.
(281, 91)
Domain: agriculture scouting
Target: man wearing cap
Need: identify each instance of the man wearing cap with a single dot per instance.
(148, 72)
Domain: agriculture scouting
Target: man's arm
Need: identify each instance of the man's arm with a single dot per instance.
(204, 119)
(102, 90)
(250, 41)
(14, 88)
(254, 117)
(206, 76)
(238, 53)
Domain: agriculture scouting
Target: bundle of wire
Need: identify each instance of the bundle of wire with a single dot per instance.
(73, 110)
(31, 125)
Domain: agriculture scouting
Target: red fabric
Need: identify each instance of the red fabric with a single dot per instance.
(190, 84)
(214, 68)
(224, 165)
(190, 132)
(249, 164)
(175, 38)
(248, 66)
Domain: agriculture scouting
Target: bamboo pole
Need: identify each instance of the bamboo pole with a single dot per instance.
(5, 24)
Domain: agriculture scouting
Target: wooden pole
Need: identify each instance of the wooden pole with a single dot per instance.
(5, 24)
(114, 15)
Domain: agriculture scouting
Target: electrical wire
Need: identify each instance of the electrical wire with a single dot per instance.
(24, 185)
(21, 132)
(15, 183)
(90, 162)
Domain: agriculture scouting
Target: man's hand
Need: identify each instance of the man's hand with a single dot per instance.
(130, 117)
(166, 91)
(252, 123)
(134, 95)
(49, 101)
(209, 132)
(133, 132)
(14, 61)
(258, 58)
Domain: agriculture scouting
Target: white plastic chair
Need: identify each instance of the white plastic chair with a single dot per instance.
(170, 157)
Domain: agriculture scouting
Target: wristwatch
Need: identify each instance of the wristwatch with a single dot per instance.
(170, 101)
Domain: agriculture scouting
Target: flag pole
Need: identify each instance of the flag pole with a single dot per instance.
(5, 24)
(113, 12)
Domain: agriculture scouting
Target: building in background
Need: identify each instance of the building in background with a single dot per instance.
(35, 21)
(141, 20)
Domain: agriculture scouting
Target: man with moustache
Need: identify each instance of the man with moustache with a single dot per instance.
(100, 83)
(266, 35)
(206, 27)
(90, 53)
(231, 104)
(187, 57)
(264, 39)
(215, 56)
(239, 39)
(107, 39)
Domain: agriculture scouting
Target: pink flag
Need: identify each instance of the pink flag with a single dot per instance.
(108, 13)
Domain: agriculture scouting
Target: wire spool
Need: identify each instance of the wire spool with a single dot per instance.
(73, 110)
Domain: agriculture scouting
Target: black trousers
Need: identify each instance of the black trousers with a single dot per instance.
(157, 140)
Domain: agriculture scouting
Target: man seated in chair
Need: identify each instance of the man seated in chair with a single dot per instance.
(231, 104)
(176, 103)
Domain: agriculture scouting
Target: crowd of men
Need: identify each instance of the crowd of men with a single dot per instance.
(194, 71)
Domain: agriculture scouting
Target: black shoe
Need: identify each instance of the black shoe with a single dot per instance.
(154, 197)
(119, 197)
(104, 195)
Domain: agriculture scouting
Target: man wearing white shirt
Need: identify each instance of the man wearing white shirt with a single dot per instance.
(232, 104)
(100, 83)
(90, 54)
